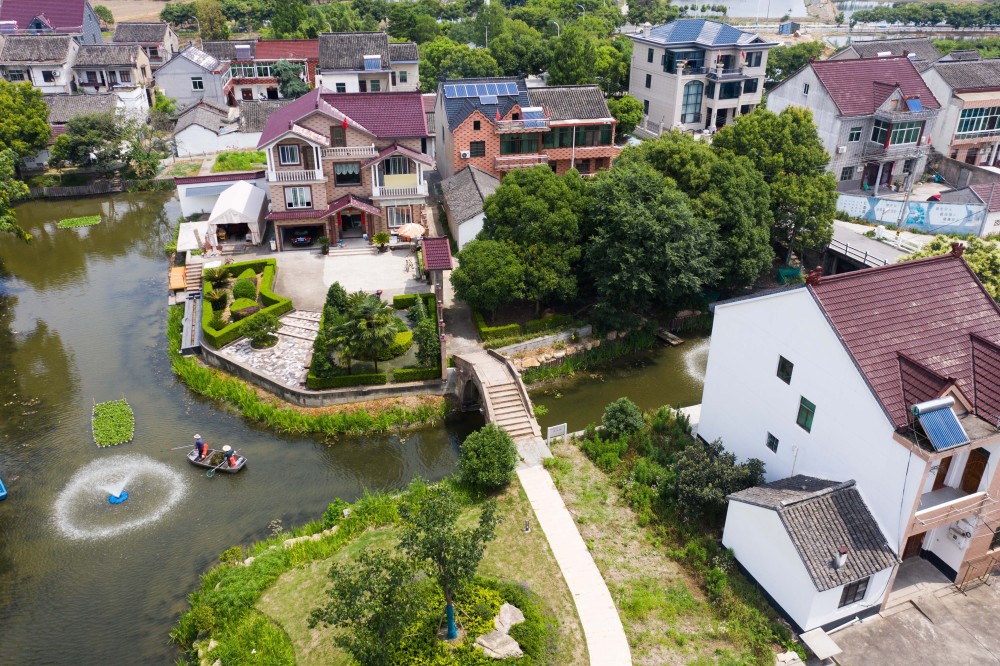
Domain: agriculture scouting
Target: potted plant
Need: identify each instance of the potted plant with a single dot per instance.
(324, 244)
(381, 239)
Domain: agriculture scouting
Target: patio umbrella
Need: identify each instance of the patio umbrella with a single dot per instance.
(411, 231)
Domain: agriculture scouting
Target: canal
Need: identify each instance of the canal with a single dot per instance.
(82, 317)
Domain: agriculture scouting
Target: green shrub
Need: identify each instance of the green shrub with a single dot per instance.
(606, 453)
(550, 323)
(400, 345)
(622, 418)
(248, 274)
(404, 301)
(232, 555)
(487, 458)
(215, 275)
(217, 322)
(261, 329)
(245, 160)
(245, 289)
(415, 374)
(242, 304)
(341, 381)
(490, 332)
(334, 513)
(278, 305)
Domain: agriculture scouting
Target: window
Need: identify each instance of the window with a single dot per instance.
(854, 592)
(583, 166)
(288, 154)
(263, 70)
(691, 110)
(854, 135)
(375, 86)
(905, 133)
(341, 87)
(954, 154)
(847, 173)
(402, 76)
(112, 78)
(645, 107)
(807, 411)
(750, 86)
(649, 55)
(519, 144)
(298, 197)
(15, 75)
(649, 80)
(729, 90)
(805, 88)
(197, 83)
(995, 543)
(880, 130)
(559, 137)
(785, 368)
(397, 216)
(397, 165)
(362, 86)
(772, 443)
(694, 60)
(48, 76)
(338, 136)
(593, 135)
(347, 173)
(476, 125)
(125, 76)
(246, 94)
(754, 58)
(710, 90)
(979, 122)
(477, 149)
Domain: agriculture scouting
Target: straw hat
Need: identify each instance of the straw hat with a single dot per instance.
(227, 448)
(197, 436)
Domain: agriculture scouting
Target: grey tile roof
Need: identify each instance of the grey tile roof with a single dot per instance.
(346, 50)
(921, 47)
(465, 192)
(102, 55)
(226, 50)
(571, 102)
(820, 516)
(63, 108)
(203, 116)
(199, 57)
(142, 33)
(36, 48)
(698, 31)
(962, 54)
(403, 52)
(970, 75)
(254, 114)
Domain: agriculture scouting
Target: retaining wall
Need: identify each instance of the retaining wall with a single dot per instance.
(536, 343)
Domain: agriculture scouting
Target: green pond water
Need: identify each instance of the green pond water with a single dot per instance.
(82, 317)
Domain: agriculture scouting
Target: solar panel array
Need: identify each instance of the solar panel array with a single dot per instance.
(373, 62)
(460, 90)
(534, 117)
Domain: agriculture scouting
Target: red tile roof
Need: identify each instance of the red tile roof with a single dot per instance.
(396, 149)
(296, 49)
(60, 14)
(346, 201)
(219, 178)
(387, 115)
(858, 87)
(917, 312)
(990, 194)
(437, 254)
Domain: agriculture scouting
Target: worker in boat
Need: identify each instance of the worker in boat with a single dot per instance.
(201, 447)
(230, 455)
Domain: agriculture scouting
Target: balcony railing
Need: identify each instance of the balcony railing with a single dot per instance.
(898, 151)
(531, 125)
(905, 116)
(520, 162)
(399, 192)
(946, 505)
(984, 134)
(730, 74)
(294, 176)
(348, 152)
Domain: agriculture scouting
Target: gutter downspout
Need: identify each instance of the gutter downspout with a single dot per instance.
(572, 159)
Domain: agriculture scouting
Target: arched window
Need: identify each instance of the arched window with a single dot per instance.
(691, 111)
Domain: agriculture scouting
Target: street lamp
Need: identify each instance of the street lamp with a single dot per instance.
(583, 9)
(558, 29)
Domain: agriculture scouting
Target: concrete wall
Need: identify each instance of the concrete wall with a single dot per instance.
(959, 174)
(832, 132)
(174, 78)
(197, 140)
(468, 230)
(824, 608)
(925, 217)
(443, 139)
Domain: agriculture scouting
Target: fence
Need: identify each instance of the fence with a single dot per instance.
(98, 188)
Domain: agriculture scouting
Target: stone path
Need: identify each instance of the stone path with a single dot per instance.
(606, 641)
(288, 361)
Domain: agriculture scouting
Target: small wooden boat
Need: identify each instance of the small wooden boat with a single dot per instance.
(212, 460)
(3, 490)
(668, 337)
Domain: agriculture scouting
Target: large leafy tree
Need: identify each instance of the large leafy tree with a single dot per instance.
(537, 213)
(443, 57)
(90, 139)
(289, 75)
(431, 536)
(178, 13)
(11, 190)
(627, 110)
(489, 275)
(368, 328)
(573, 57)
(784, 61)
(519, 49)
(212, 22)
(612, 65)
(286, 18)
(703, 476)
(24, 126)
(104, 14)
(982, 256)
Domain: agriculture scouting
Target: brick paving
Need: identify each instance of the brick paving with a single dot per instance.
(288, 361)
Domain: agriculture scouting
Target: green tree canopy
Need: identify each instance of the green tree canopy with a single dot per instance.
(289, 75)
(178, 13)
(24, 126)
(487, 458)
(212, 22)
(11, 190)
(287, 17)
(89, 139)
(368, 328)
(574, 57)
(489, 275)
(783, 61)
(443, 57)
(613, 64)
(627, 110)
(104, 14)
(519, 49)
(982, 256)
(703, 476)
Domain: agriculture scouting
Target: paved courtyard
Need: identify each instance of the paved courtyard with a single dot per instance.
(287, 362)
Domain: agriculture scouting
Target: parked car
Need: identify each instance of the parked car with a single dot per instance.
(301, 237)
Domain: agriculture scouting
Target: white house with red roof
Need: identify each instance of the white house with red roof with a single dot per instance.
(347, 165)
(874, 117)
(887, 379)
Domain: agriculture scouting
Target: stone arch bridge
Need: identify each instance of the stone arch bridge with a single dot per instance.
(487, 381)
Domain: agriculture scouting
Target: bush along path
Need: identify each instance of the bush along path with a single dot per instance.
(241, 397)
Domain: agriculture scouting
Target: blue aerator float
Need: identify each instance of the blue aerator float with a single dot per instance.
(118, 499)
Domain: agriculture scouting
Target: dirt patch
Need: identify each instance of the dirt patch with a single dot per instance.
(135, 10)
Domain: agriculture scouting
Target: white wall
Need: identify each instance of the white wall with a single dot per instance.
(467, 230)
(195, 205)
(824, 608)
(825, 112)
(851, 437)
(196, 140)
(947, 120)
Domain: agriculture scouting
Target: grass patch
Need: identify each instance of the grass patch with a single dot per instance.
(182, 169)
(635, 341)
(85, 221)
(246, 160)
(113, 423)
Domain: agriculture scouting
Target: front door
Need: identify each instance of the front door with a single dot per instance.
(974, 469)
(351, 224)
(721, 116)
(943, 466)
(913, 545)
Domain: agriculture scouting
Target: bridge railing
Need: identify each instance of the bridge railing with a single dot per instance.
(522, 391)
(856, 254)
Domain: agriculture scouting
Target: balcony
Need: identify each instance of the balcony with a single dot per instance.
(419, 190)
(946, 505)
(294, 176)
(731, 74)
(905, 116)
(894, 152)
(349, 152)
(532, 125)
(520, 162)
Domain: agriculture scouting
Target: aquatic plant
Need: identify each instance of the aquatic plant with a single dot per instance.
(85, 221)
(113, 423)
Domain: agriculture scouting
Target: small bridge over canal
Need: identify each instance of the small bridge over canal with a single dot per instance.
(487, 380)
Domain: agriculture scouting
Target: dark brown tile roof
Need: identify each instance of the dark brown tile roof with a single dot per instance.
(924, 309)
(103, 55)
(287, 49)
(60, 14)
(858, 87)
(36, 48)
(346, 50)
(819, 517)
(465, 192)
(203, 116)
(254, 114)
(226, 49)
(971, 75)
(63, 108)
(142, 33)
(571, 102)
(396, 149)
(403, 52)
(437, 253)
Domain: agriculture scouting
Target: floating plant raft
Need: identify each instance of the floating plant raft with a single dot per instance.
(113, 423)
(86, 221)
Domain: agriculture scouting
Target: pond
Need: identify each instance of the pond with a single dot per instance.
(662, 376)
(82, 318)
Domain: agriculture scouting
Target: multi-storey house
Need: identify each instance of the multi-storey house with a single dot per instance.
(873, 398)
(158, 40)
(696, 74)
(57, 17)
(347, 165)
(44, 61)
(251, 62)
(499, 124)
(920, 51)
(122, 69)
(366, 62)
(193, 75)
(874, 117)
(968, 128)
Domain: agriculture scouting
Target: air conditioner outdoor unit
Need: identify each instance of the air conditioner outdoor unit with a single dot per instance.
(465, 154)
(841, 150)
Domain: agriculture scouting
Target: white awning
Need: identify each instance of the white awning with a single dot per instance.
(241, 203)
(192, 236)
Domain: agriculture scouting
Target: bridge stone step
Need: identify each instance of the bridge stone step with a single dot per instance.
(510, 412)
(518, 420)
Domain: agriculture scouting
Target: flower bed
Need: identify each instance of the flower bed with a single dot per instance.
(86, 221)
(113, 423)
(277, 305)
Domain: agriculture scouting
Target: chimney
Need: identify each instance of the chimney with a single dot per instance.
(957, 249)
(841, 558)
(646, 28)
(814, 275)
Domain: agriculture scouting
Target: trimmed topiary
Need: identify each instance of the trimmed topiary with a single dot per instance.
(245, 289)
(622, 418)
(487, 458)
(248, 274)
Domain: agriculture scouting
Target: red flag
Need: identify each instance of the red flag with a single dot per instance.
(546, 112)
(344, 124)
(498, 115)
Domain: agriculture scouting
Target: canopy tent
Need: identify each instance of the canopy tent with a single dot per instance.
(241, 203)
(192, 236)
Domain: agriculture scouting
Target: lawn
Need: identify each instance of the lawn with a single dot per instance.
(244, 160)
(514, 555)
(182, 169)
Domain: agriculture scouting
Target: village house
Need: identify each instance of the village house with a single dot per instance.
(499, 124)
(873, 398)
(366, 62)
(122, 69)
(463, 196)
(158, 40)
(920, 51)
(874, 117)
(251, 63)
(44, 61)
(193, 75)
(62, 109)
(968, 128)
(694, 74)
(346, 166)
(58, 17)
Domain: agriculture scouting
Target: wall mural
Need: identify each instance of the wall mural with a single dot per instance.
(927, 217)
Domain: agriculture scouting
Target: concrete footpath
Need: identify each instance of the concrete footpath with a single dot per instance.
(606, 641)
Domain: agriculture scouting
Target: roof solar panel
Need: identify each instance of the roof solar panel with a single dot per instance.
(487, 99)
(449, 92)
(914, 105)
(943, 429)
(481, 89)
(491, 89)
(512, 89)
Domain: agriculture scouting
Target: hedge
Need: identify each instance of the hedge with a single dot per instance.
(490, 332)
(248, 274)
(549, 323)
(400, 345)
(340, 381)
(276, 305)
(404, 301)
(415, 374)
(242, 303)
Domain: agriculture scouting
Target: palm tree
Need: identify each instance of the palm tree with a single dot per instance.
(369, 328)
